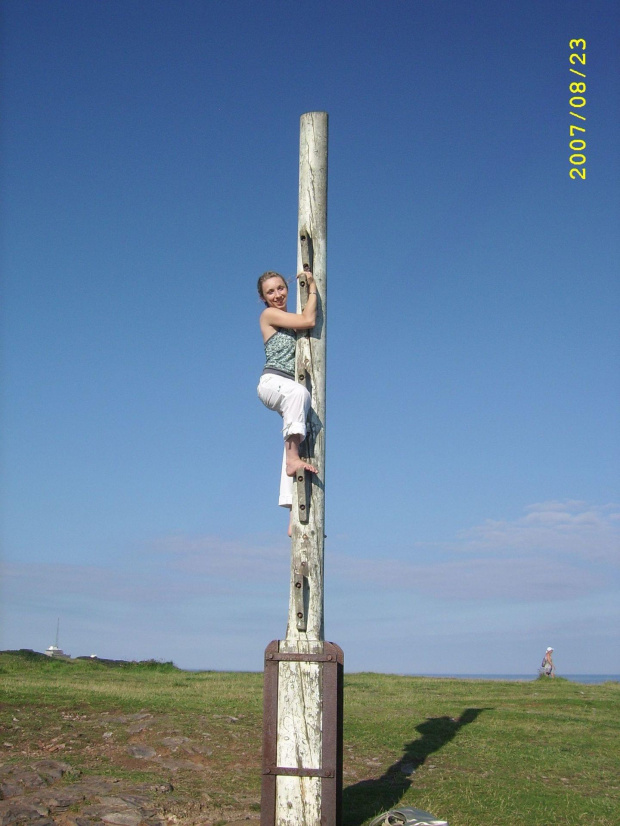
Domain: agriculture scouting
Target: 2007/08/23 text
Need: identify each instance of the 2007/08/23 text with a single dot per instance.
(577, 101)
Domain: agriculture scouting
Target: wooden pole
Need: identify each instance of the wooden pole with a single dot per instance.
(307, 540)
(300, 684)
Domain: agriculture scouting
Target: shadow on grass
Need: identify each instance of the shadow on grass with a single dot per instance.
(371, 797)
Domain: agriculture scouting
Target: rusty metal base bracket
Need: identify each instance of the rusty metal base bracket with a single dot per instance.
(330, 771)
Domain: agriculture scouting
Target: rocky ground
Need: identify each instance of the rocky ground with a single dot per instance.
(124, 770)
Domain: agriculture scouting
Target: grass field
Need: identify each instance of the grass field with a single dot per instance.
(476, 753)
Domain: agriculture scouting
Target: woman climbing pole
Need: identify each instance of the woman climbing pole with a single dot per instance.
(277, 388)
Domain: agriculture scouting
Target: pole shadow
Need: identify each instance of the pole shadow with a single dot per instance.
(369, 798)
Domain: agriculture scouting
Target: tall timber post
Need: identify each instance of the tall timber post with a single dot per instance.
(302, 738)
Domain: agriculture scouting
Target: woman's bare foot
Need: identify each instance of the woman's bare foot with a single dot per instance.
(295, 464)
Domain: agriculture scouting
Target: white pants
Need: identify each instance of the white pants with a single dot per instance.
(292, 401)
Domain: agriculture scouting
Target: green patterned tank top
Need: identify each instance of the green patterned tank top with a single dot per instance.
(280, 352)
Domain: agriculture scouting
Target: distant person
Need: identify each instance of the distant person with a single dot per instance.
(277, 388)
(547, 666)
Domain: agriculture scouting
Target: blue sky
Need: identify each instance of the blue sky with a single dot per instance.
(149, 175)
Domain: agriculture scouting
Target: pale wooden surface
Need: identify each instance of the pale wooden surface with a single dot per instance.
(298, 799)
(299, 743)
(307, 543)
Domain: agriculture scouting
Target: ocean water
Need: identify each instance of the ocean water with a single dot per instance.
(588, 679)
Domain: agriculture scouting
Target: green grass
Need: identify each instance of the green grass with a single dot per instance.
(487, 752)
(483, 753)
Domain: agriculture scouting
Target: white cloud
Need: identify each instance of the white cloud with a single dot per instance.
(214, 557)
(589, 532)
(555, 551)
(168, 570)
(205, 601)
(520, 578)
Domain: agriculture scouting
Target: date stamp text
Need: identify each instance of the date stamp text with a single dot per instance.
(577, 103)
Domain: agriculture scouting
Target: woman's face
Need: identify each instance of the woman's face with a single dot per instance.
(275, 292)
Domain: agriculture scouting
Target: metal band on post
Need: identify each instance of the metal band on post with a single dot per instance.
(330, 770)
